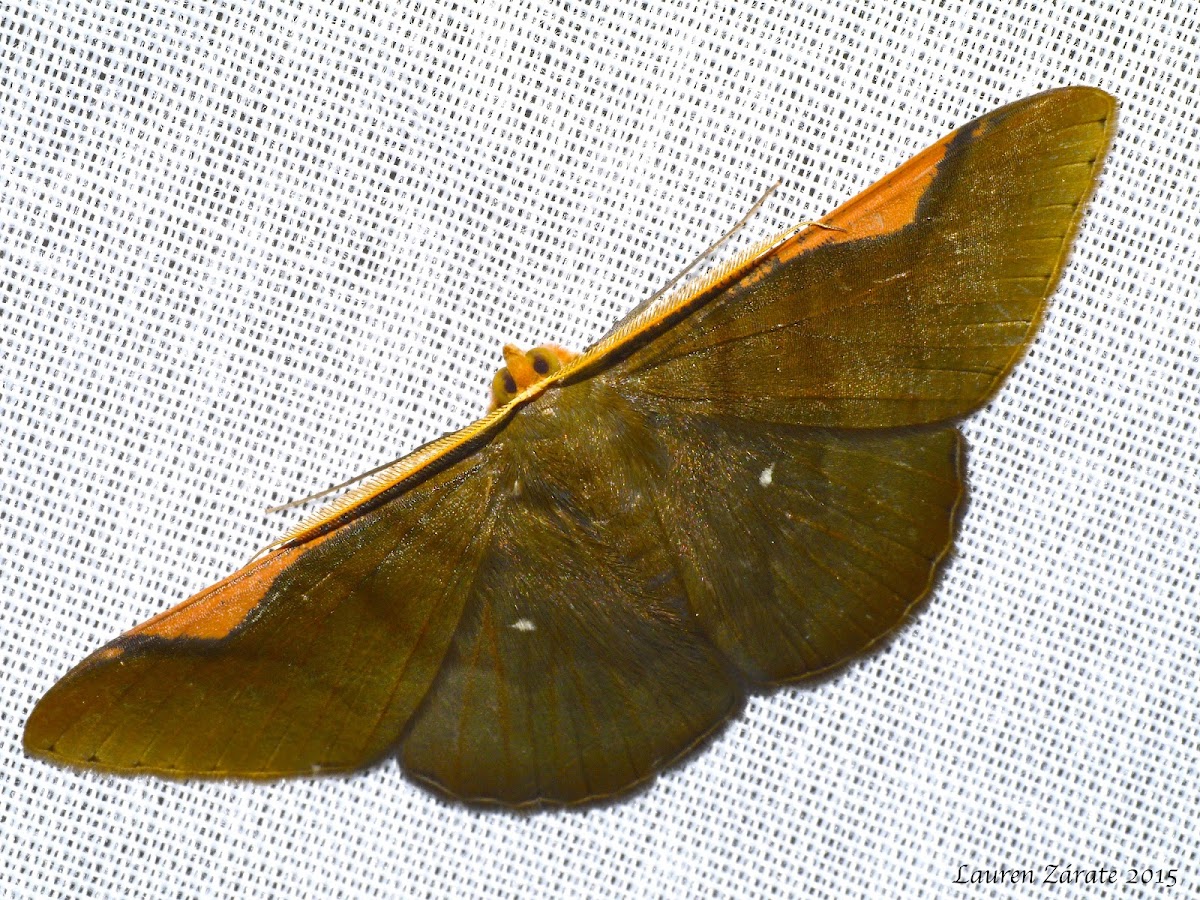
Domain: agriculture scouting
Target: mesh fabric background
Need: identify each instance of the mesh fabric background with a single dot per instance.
(251, 248)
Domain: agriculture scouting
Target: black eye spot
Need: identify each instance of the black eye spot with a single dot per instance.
(541, 365)
(510, 383)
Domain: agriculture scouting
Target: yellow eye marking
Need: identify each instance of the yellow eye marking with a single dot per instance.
(523, 370)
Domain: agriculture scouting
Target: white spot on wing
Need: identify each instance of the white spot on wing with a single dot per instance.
(767, 475)
(523, 625)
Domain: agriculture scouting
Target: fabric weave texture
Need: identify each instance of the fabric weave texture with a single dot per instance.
(248, 249)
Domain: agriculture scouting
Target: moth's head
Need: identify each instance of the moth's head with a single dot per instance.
(526, 368)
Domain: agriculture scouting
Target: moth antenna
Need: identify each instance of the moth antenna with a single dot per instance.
(714, 245)
(292, 504)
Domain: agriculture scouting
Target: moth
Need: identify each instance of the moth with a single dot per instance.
(738, 487)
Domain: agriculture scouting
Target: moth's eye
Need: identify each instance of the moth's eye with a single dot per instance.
(543, 361)
(504, 387)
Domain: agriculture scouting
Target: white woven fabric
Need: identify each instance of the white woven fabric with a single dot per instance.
(251, 248)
